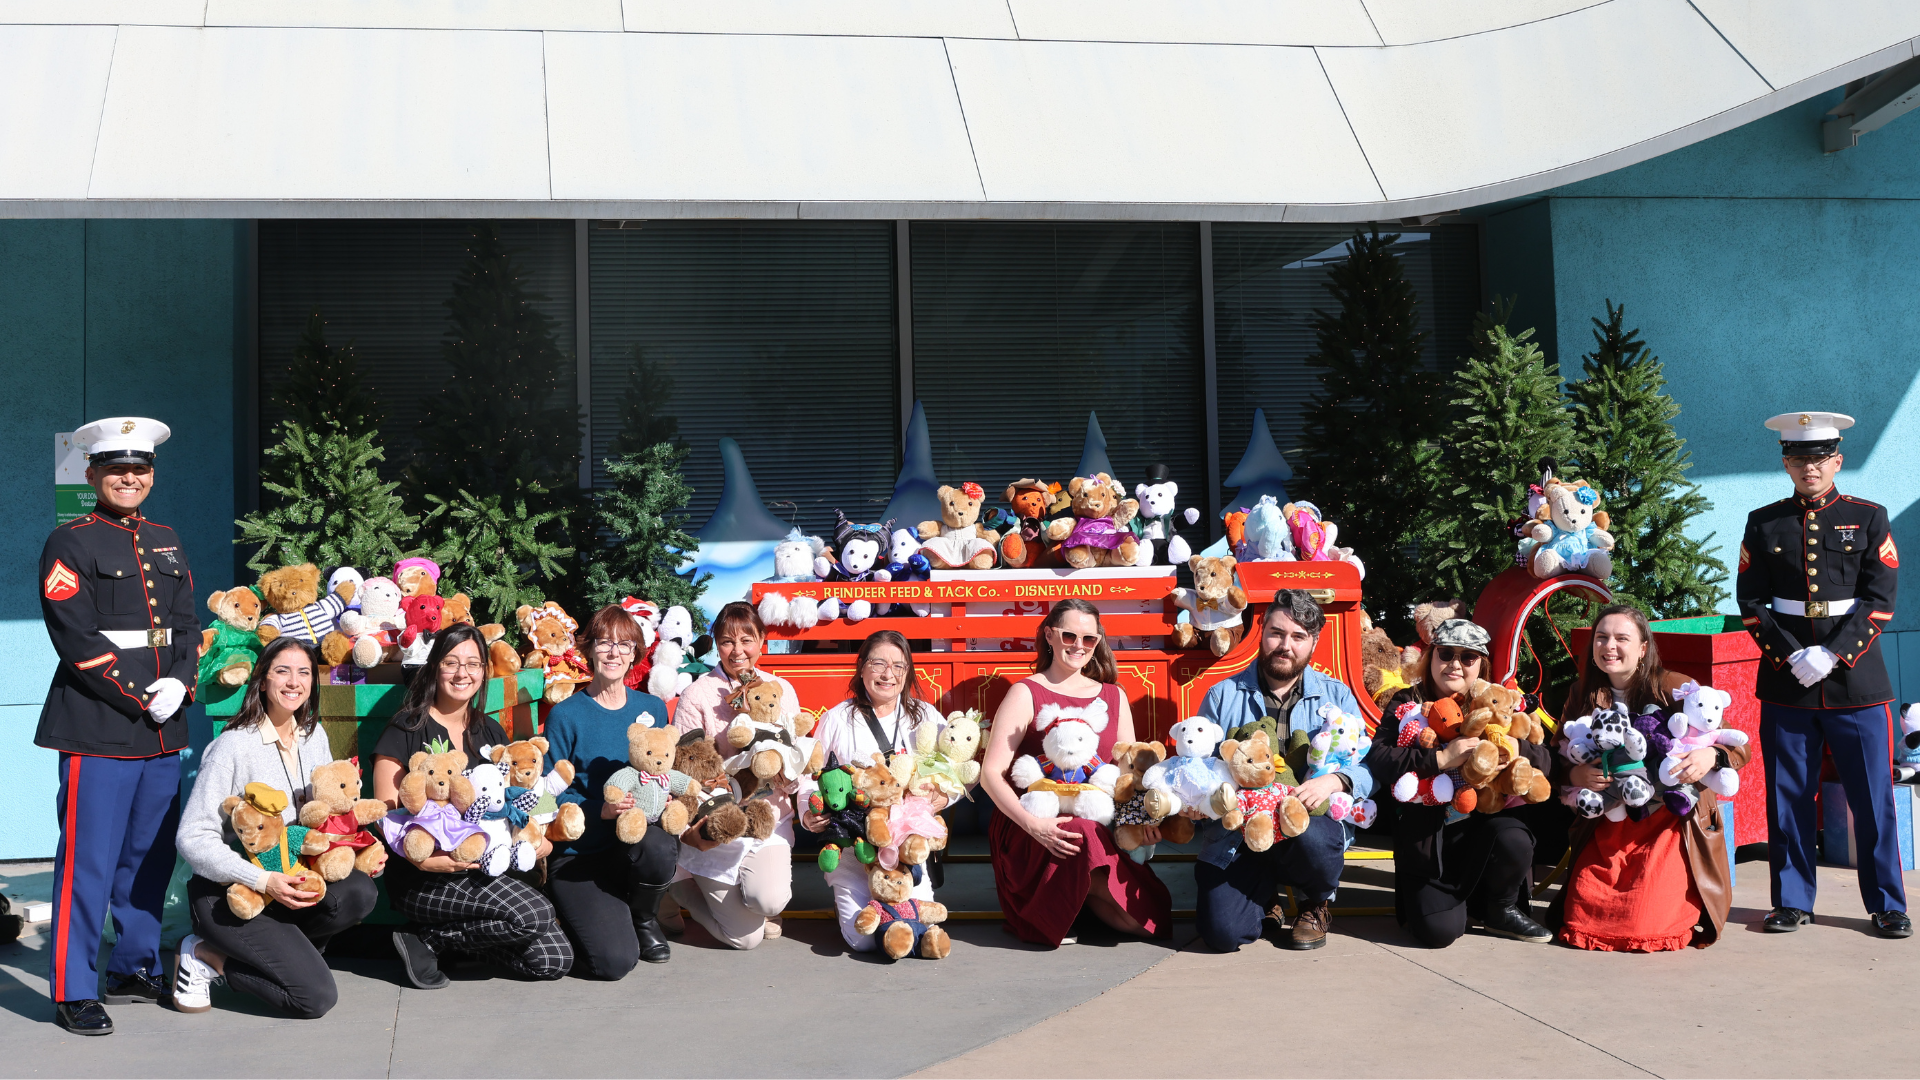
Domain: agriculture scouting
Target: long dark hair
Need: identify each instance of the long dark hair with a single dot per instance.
(1100, 668)
(412, 714)
(910, 703)
(253, 707)
(1643, 689)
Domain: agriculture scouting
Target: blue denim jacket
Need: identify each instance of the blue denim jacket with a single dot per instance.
(1236, 701)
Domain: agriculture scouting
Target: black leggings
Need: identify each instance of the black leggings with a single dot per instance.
(1490, 858)
(591, 893)
(275, 956)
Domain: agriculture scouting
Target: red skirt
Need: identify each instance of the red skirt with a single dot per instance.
(1041, 895)
(1631, 891)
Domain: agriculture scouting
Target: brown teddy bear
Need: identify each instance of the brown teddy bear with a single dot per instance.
(1215, 603)
(1135, 807)
(337, 810)
(549, 632)
(270, 844)
(1024, 546)
(726, 819)
(229, 649)
(299, 611)
(1097, 533)
(899, 924)
(958, 541)
(502, 661)
(1383, 669)
(435, 793)
(654, 784)
(766, 745)
(1257, 805)
(882, 791)
(549, 818)
(1496, 716)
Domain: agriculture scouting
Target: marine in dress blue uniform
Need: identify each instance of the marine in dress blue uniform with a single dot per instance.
(117, 596)
(1816, 586)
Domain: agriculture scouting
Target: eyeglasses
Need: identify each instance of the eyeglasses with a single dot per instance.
(1069, 638)
(455, 667)
(881, 667)
(1446, 654)
(614, 648)
(1800, 462)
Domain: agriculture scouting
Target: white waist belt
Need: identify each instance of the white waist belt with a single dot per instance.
(139, 639)
(1812, 609)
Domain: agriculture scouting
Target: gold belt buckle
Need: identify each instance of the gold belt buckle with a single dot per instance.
(156, 639)
(1816, 609)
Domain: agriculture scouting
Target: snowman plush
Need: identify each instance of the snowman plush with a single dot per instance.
(1156, 525)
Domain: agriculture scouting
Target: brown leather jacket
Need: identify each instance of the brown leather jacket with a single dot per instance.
(1702, 842)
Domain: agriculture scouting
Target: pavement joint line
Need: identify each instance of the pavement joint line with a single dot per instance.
(1382, 946)
(393, 1033)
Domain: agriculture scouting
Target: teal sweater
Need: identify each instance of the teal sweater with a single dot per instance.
(594, 738)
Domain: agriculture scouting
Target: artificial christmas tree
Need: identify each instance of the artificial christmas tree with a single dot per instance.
(1625, 446)
(1367, 455)
(491, 547)
(328, 504)
(644, 420)
(322, 392)
(641, 521)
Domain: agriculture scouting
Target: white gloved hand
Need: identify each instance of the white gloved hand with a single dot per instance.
(167, 696)
(1802, 669)
(1822, 659)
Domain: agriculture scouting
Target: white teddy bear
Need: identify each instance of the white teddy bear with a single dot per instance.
(1698, 724)
(378, 622)
(489, 812)
(1074, 781)
(1156, 525)
(1192, 775)
(793, 560)
(666, 680)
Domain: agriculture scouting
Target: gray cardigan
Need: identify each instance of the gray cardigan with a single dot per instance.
(230, 762)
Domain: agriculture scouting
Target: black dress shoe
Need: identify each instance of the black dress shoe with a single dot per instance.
(423, 969)
(130, 988)
(87, 1017)
(1785, 920)
(1893, 924)
(1505, 920)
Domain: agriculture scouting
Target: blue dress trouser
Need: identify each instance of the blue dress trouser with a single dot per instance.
(1861, 741)
(1232, 898)
(117, 820)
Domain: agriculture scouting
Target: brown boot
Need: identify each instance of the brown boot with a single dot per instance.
(1310, 926)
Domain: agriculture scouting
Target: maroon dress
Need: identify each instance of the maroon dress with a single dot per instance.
(1041, 895)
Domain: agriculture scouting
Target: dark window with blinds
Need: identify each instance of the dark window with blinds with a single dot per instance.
(1019, 330)
(383, 285)
(779, 334)
(1267, 282)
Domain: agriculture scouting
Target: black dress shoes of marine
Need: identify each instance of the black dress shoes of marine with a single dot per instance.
(1785, 920)
(1893, 924)
(132, 988)
(87, 1017)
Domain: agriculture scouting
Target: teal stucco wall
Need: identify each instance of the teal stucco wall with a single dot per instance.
(102, 318)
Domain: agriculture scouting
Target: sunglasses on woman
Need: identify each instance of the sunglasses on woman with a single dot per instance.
(1069, 638)
(1447, 654)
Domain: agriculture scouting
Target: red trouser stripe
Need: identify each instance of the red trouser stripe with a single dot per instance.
(62, 932)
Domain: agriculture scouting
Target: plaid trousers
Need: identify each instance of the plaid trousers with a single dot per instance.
(502, 919)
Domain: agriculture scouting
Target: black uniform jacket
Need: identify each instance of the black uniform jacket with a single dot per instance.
(1817, 551)
(100, 573)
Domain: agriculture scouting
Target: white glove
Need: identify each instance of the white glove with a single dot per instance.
(1797, 663)
(167, 696)
(1822, 659)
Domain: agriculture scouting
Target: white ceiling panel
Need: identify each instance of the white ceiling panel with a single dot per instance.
(56, 78)
(1464, 113)
(1254, 22)
(1156, 123)
(94, 12)
(335, 114)
(863, 18)
(728, 117)
(420, 14)
(1775, 37)
(1404, 22)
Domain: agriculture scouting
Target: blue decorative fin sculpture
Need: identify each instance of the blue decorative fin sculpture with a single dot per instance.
(914, 494)
(741, 515)
(1263, 470)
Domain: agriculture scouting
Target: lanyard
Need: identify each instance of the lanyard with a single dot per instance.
(883, 742)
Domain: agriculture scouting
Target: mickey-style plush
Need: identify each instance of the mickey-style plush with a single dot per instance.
(794, 559)
(1315, 539)
(1023, 542)
(653, 782)
(549, 631)
(270, 844)
(1257, 804)
(547, 817)
(1097, 534)
(1608, 739)
(1189, 778)
(855, 557)
(337, 810)
(1070, 779)
(1420, 724)
(958, 541)
(899, 924)
(1215, 604)
(1157, 525)
(299, 611)
(434, 796)
(906, 562)
(1260, 533)
(1569, 534)
(500, 812)
(1699, 723)
(230, 648)
(1131, 815)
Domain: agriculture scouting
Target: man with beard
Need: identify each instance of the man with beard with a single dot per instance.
(1238, 886)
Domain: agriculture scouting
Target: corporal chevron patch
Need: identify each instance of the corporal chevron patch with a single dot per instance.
(62, 583)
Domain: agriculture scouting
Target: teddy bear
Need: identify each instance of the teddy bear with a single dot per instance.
(417, 576)
(337, 809)
(1338, 743)
(855, 557)
(299, 611)
(230, 648)
(845, 808)
(1262, 533)
(723, 819)
(1698, 723)
(501, 815)
(547, 817)
(914, 832)
(1097, 533)
(794, 559)
(1421, 724)
(1257, 804)
(766, 744)
(1383, 670)
(549, 632)
(1023, 527)
(434, 796)
(899, 924)
(423, 616)
(1073, 781)
(945, 757)
(1157, 526)
(369, 635)
(958, 541)
(270, 844)
(1496, 769)
(1191, 774)
(1568, 535)
(673, 661)
(350, 577)
(653, 782)
(1130, 813)
(1215, 603)
(1608, 740)
(1315, 539)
